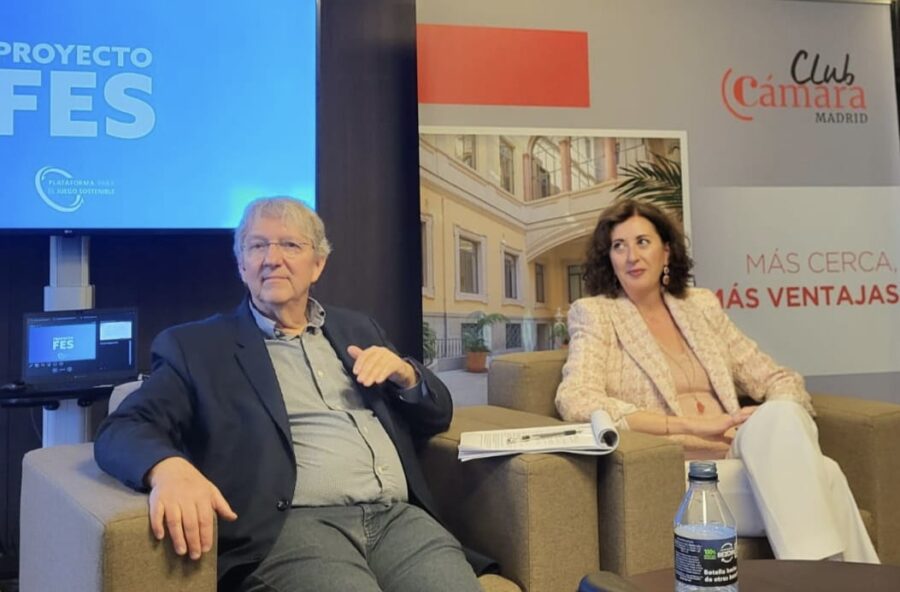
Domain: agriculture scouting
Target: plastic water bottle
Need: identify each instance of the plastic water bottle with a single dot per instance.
(705, 536)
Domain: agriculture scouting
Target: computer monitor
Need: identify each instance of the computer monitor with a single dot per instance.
(76, 349)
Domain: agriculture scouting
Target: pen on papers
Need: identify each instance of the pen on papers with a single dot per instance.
(529, 437)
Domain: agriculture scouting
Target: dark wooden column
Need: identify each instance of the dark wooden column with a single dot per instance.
(368, 165)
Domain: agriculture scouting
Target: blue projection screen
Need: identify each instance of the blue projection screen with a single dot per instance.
(123, 115)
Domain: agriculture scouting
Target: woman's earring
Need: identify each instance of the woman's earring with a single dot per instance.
(665, 278)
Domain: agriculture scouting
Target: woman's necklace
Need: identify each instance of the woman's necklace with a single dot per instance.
(690, 373)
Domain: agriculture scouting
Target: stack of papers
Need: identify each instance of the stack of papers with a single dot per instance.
(597, 437)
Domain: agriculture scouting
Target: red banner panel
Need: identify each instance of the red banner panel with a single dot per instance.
(461, 65)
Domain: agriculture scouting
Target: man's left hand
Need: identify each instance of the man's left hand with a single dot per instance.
(376, 364)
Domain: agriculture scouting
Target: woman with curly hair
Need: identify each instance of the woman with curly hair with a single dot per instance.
(661, 357)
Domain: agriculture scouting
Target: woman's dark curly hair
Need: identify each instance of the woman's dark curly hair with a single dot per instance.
(599, 275)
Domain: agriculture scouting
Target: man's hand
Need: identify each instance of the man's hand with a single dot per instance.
(185, 501)
(376, 364)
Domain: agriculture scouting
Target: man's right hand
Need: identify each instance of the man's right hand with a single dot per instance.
(184, 502)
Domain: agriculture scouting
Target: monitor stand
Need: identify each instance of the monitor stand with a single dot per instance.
(69, 289)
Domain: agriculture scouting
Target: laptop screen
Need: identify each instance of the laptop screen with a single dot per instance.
(79, 348)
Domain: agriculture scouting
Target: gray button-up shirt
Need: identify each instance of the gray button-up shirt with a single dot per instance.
(344, 455)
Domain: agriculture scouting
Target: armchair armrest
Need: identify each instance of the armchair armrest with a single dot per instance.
(83, 530)
(640, 486)
(526, 381)
(864, 438)
(535, 514)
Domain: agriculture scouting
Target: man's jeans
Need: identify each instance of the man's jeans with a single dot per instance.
(369, 547)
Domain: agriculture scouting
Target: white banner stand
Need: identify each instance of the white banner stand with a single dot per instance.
(69, 289)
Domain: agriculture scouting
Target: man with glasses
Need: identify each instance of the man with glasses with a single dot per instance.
(294, 423)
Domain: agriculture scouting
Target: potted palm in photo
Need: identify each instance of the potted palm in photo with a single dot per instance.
(657, 181)
(429, 344)
(474, 345)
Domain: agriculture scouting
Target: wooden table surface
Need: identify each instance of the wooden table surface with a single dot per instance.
(770, 575)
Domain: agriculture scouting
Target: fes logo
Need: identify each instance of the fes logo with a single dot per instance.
(830, 92)
(67, 342)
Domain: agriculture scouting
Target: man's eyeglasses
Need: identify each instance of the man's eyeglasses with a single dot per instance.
(256, 250)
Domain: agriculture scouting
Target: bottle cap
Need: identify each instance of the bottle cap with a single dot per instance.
(703, 470)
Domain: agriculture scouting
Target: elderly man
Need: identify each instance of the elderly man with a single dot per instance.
(294, 423)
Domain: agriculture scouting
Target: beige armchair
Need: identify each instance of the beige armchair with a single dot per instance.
(83, 531)
(641, 483)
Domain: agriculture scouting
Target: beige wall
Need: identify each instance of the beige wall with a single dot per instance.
(487, 156)
(449, 216)
(445, 310)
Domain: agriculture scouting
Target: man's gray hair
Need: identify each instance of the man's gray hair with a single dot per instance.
(293, 212)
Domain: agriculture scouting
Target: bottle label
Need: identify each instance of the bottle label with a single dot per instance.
(705, 563)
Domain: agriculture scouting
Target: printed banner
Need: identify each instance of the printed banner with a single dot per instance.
(786, 115)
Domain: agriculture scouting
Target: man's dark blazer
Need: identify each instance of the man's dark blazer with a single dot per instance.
(213, 398)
